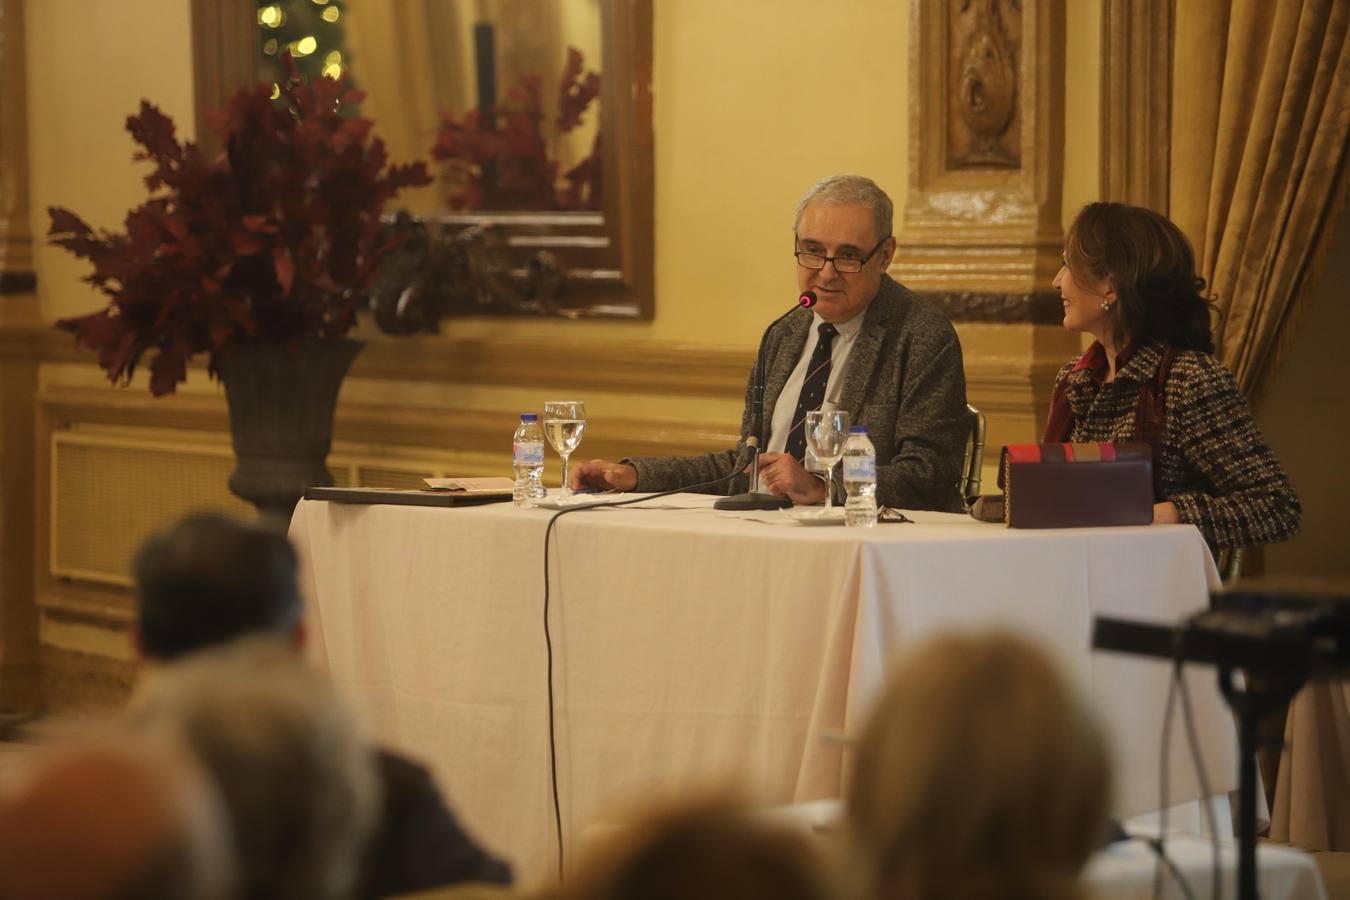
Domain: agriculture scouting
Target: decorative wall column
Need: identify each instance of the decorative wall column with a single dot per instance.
(981, 232)
(16, 255)
(19, 331)
(225, 58)
(1137, 101)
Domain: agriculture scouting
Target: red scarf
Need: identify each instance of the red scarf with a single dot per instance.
(1060, 424)
(1148, 411)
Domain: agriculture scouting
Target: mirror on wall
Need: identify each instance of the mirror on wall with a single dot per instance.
(503, 95)
(534, 116)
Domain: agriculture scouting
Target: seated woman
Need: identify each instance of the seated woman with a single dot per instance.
(979, 775)
(1129, 280)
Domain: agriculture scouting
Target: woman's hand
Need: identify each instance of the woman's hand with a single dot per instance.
(1166, 513)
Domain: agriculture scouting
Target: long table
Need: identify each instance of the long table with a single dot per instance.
(695, 648)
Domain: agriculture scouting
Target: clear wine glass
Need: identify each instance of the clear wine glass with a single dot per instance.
(826, 432)
(564, 422)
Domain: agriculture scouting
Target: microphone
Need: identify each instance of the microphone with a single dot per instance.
(754, 498)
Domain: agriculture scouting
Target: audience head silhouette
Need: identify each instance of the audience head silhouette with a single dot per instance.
(297, 781)
(208, 579)
(709, 851)
(115, 817)
(979, 775)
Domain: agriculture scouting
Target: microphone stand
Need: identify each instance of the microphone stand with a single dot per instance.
(1278, 638)
(755, 498)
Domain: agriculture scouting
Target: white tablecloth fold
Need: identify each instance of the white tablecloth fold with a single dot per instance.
(694, 648)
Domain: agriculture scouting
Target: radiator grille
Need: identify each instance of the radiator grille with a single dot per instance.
(110, 491)
(107, 496)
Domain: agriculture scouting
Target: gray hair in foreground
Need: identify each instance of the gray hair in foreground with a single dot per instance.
(297, 780)
(846, 190)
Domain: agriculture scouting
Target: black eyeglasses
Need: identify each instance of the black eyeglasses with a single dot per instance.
(842, 264)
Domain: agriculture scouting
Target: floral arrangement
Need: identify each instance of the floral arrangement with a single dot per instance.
(277, 239)
(501, 160)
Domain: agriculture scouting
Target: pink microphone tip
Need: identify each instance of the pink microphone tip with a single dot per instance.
(807, 299)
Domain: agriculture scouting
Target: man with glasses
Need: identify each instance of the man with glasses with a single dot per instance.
(870, 347)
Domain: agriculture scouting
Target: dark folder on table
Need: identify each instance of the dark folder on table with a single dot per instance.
(404, 497)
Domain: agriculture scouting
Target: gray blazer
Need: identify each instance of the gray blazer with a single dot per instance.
(904, 381)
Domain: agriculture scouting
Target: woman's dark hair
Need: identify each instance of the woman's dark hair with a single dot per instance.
(1152, 267)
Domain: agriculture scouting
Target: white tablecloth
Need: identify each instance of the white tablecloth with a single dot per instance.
(692, 647)
(1125, 870)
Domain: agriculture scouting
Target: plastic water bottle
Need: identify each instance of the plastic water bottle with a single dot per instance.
(860, 479)
(528, 461)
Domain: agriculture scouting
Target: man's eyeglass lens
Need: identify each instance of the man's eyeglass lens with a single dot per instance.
(841, 263)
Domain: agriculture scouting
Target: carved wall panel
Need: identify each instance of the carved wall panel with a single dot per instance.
(986, 148)
(985, 44)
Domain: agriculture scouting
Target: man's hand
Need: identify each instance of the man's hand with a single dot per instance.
(602, 475)
(781, 474)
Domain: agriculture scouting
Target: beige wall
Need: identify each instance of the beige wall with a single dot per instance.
(89, 65)
(753, 101)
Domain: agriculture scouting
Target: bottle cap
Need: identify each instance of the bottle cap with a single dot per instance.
(858, 429)
(529, 417)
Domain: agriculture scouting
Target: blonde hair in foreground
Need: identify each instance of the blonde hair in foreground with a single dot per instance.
(980, 775)
(706, 848)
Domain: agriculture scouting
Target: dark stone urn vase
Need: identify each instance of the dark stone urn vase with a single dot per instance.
(281, 418)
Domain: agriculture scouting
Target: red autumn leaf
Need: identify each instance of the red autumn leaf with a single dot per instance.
(168, 369)
(275, 239)
(260, 224)
(285, 269)
(65, 222)
(504, 160)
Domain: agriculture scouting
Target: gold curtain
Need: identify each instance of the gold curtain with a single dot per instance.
(1260, 118)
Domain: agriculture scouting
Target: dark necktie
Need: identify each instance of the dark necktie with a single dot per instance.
(813, 391)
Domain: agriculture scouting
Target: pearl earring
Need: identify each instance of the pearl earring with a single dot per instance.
(1106, 307)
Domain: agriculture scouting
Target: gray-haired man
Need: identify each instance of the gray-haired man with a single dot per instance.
(888, 357)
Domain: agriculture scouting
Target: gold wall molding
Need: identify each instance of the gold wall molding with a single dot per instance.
(628, 366)
(1136, 101)
(986, 150)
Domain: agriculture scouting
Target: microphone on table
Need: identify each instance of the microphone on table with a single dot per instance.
(754, 498)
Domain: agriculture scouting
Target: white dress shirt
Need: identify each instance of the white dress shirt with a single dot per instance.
(782, 423)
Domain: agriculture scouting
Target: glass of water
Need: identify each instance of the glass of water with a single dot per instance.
(826, 432)
(564, 422)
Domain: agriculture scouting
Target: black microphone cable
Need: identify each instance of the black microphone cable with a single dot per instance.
(1177, 686)
(548, 637)
(1160, 851)
(806, 300)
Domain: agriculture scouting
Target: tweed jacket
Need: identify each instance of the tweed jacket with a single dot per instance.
(1214, 465)
(903, 379)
